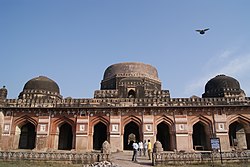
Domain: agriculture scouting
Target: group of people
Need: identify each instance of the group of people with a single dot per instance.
(142, 147)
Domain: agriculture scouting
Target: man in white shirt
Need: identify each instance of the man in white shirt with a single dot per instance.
(145, 147)
(140, 147)
(135, 149)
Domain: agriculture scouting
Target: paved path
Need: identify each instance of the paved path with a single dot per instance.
(124, 159)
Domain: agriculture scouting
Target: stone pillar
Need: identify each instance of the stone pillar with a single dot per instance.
(183, 142)
(14, 137)
(81, 143)
(41, 142)
(224, 141)
(42, 134)
(148, 128)
(116, 139)
(82, 135)
(53, 141)
(222, 132)
(1, 127)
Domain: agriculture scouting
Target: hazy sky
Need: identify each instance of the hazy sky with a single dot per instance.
(74, 41)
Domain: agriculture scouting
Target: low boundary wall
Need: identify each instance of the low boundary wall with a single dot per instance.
(81, 158)
(165, 158)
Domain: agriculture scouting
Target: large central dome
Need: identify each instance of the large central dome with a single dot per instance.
(128, 77)
(130, 69)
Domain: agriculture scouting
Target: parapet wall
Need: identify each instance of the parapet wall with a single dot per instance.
(82, 158)
(200, 157)
(125, 102)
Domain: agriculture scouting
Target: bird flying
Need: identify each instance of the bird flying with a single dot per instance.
(202, 31)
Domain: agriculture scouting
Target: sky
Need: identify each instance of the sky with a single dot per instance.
(73, 41)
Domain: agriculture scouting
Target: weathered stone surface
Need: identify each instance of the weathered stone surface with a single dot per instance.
(106, 149)
(157, 147)
(130, 101)
(3, 93)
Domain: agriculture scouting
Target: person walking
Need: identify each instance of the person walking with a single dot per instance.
(135, 149)
(149, 149)
(140, 147)
(145, 147)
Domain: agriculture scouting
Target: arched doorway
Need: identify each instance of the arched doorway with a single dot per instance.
(65, 137)
(27, 138)
(100, 135)
(200, 137)
(163, 135)
(131, 134)
(237, 136)
(131, 94)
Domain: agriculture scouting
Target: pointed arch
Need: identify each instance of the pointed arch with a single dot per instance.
(204, 120)
(132, 118)
(131, 93)
(63, 130)
(65, 137)
(201, 132)
(60, 121)
(100, 135)
(166, 120)
(239, 132)
(27, 136)
(165, 132)
(20, 121)
(98, 119)
(99, 131)
(239, 118)
(132, 131)
(25, 132)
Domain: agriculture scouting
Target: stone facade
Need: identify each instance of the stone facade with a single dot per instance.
(129, 106)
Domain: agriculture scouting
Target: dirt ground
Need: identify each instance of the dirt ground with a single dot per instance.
(123, 159)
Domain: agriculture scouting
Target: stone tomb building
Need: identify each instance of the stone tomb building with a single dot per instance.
(130, 106)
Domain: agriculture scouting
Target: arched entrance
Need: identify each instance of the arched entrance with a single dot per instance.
(131, 94)
(65, 137)
(163, 135)
(100, 135)
(27, 138)
(131, 134)
(237, 136)
(200, 136)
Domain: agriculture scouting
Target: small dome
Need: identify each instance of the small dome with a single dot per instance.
(131, 69)
(40, 88)
(42, 83)
(223, 86)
